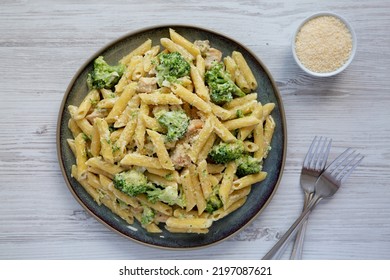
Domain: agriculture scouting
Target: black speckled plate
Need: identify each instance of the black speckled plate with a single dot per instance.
(261, 193)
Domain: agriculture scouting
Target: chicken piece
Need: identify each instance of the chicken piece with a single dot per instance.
(147, 85)
(193, 130)
(180, 156)
(203, 46)
(212, 55)
(97, 113)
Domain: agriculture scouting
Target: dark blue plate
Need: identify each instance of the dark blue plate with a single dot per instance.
(261, 193)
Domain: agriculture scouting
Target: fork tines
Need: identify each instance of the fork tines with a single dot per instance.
(344, 164)
(316, 156)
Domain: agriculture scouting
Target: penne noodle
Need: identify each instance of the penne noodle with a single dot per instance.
(200, 65)
(105, 141)
(250, 147)
(74, 128)
(200, 87)
(160, 99)
(180, 40)
(95, 141)
(200, 142)
(204, 179)
(186, 182)
(81, 157)
(221, 213)
(140, 50)
(222, 131)
(207, 147)
(269, 128)
(90, 100)
(121, 103)
(99, 163)
(240, 100)
(83, 124)
(191, 98)
(189, 223)
(140, 160)
(245, 70)
(161, 181)
(248, 180)
(227, 181)
(241, 122)
(140, 129)
(215, 168)
(196, 188)
(173, 47)
(162, 153)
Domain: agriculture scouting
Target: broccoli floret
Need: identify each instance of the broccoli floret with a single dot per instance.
(147, 215)
(169, 195)
(213, 202)
(104, 75)
(222, 88)
(176, 123)
(225, 152)
(171, 67)
(248, 165)
(132, 182)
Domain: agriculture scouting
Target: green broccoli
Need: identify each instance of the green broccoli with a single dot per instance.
(225, 152)
(176, 123)
(104, 75)
(248, 165)
(222, 88)
(132, 182)
(147, 215)
(169, 195)
(171, 67)
(214, 202)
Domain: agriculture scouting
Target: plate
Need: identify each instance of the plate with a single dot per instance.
(261, 193)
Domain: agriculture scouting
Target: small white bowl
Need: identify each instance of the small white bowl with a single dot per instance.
(338, 70)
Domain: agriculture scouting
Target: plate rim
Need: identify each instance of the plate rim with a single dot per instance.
(112, 43)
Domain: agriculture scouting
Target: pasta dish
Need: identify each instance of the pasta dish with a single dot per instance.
(172, 135)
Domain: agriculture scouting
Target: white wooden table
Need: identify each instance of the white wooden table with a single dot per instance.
(43, 43)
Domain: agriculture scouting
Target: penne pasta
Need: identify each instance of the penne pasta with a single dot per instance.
(142, 147)
(90, 100)
(248, 180)
(241, 122)
(140, 160)
(199, 84)
(160, 99)
(222, 131)
(180, 40)
(227, 181)
(98, 162)
(173, 47)
(121, 103)
(245, 70)
(105, 141)
(81, 156)
(191, 98)
(200, 142)
(162, 153)
(204, 179)
(140, 50)
(188, 223)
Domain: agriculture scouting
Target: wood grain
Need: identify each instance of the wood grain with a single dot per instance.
(43, 43)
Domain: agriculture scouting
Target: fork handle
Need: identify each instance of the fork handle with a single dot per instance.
(280, 246)
(296, 253)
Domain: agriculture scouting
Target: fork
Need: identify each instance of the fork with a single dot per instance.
(313, 165)
(326, 186)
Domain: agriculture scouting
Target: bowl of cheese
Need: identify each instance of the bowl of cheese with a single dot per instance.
(324, 44)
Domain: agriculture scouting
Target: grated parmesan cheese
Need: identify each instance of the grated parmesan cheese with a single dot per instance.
(323, 44)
